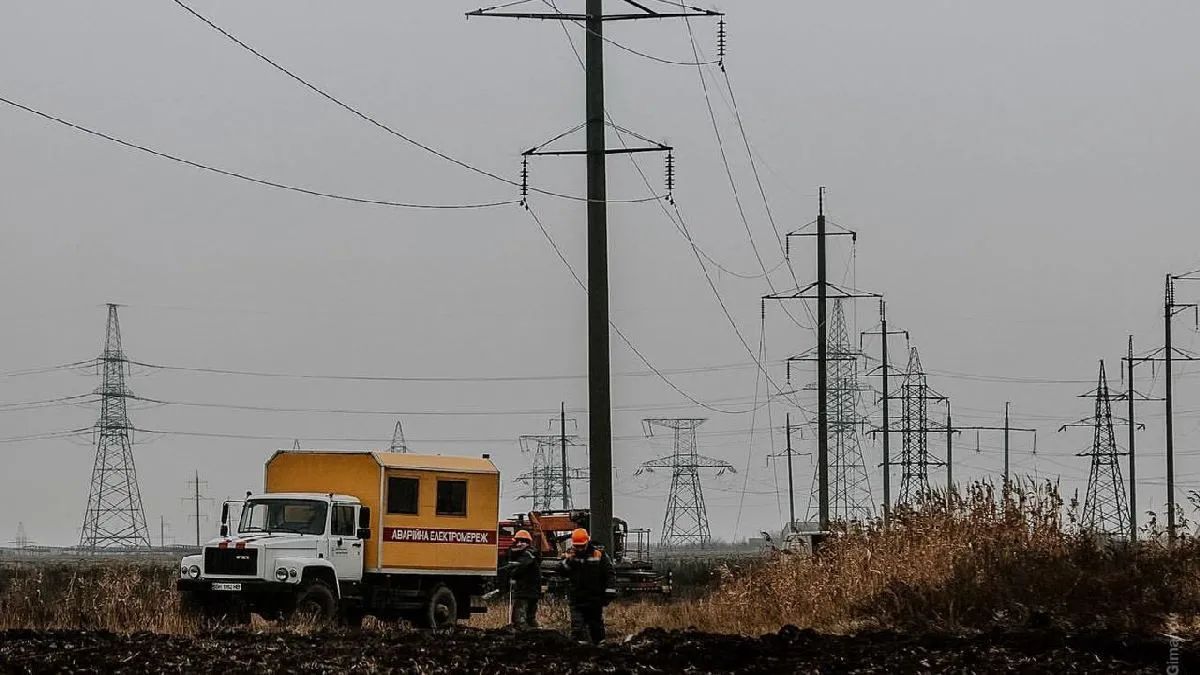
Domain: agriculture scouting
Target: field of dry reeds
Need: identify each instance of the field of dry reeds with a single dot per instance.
(976, 563)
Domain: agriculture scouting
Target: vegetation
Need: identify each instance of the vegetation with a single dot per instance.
(982, 560)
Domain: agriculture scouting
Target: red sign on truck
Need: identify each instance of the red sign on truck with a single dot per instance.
(427, 535)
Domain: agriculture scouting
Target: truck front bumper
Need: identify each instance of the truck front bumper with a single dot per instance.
(234, 586)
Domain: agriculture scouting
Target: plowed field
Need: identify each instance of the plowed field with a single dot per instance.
(652, 651)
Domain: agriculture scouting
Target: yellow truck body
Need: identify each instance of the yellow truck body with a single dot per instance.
(431, 514)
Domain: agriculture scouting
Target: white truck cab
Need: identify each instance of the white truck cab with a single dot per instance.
(283, 553)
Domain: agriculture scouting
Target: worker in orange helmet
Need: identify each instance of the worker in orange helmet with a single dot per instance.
(524, 570)
(589, 573)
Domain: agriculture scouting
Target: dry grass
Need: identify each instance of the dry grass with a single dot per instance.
(112, 595)
(981, 563)
(984, 562)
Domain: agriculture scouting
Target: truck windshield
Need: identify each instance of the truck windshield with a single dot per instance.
(301, 516)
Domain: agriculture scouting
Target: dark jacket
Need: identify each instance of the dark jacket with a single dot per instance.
(589, 574)
(524, 570)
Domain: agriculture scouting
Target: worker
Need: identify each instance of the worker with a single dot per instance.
(589, 573)
(524, 570)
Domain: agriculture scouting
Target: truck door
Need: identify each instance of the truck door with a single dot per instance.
(345, 548)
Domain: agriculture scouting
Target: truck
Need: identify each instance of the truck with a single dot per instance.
(630, 552)
(344, 535)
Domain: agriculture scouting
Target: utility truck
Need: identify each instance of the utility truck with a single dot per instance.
(350, 534)
(633, 571)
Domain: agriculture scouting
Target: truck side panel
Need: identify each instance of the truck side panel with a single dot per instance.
(441, 537)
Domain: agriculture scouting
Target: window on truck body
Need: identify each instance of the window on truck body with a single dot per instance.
(343, 521)
(402, 495)
(452, 497)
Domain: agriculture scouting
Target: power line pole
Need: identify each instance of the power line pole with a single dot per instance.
(1131, 395)
(114, 517)
(599, 371)
(1170, 309)
(820, 291)
(686, 519)
(950, 431)
(1008, 429)
(196, 499)
(562, 430)
(789, 453)
(884, 371)
(550, 474)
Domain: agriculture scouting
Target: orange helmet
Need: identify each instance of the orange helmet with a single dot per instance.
(523, 535)
(580, 537)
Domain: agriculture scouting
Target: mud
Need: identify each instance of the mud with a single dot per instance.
(652, 651)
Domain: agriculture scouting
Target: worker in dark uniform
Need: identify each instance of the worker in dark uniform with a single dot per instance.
(589, 573)
(524, 570)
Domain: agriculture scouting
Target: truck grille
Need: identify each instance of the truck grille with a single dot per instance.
(231, 561)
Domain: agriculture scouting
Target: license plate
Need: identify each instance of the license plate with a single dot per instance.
(226, 587)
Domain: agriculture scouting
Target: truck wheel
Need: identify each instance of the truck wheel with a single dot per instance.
(442, 609)
(315, 603)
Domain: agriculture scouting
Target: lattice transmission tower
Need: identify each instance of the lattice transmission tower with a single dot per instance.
(114, 517)
(915, 427)
(849, 488)
(22, 540)
(398, 442)
(1105, 507)
(550, 476)
(686, 519)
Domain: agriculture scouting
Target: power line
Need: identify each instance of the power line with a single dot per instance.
(621, 334)
(242, 176)
(376, 122)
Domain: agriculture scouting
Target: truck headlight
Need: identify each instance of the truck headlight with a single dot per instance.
(194, 571)
(183, 571)
(281, 574)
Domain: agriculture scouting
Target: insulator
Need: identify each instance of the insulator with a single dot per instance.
(671, 176)
(524, 179)
(721, 43)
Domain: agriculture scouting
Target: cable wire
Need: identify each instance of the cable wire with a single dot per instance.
(376, 122)
(246, 177)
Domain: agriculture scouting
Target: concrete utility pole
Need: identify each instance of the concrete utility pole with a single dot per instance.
(1132, 448)
(1008, 430)
(884, 372)
(819, 291)
(789, 453)
(822, 369)
(599, 371)
(1131, 396)
(562, 439)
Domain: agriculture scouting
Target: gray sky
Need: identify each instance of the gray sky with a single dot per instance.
(1020, 175)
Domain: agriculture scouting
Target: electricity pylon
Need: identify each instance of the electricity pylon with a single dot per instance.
(1105, 507)
(686, 519)
(915, 427)
(849, 487)
(21, 541)
(550, 476)
(398, 442)
(114, 517)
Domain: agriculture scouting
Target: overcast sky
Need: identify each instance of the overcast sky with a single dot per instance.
(1020, 174)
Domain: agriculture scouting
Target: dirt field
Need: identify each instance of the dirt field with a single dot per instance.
(653, 651)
